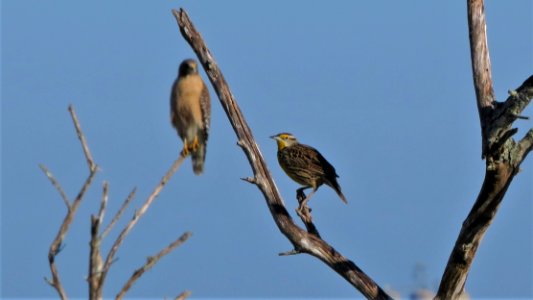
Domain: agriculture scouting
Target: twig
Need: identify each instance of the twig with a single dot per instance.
(301, 240)
(118, 214)
(183, 295)
(56, 184)
(150, 262)
(103, 202)
(138, 214)
(525, 146)
(55, 247)
(81, 137)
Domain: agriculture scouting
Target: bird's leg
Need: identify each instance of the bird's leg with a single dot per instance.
(303, 203)
(300, 195)
(195, 144)
(303, 210)
(185, 150)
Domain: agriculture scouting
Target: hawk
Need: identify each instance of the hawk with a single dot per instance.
(190, 112)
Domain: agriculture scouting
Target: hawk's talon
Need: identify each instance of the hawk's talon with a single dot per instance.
(195, 144)
(185, 150)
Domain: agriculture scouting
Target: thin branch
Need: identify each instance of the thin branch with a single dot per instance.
(183, 295)
(301, 240)
(150, 262)
(83, 140)
(56, 184)
(103, 202)
(138, 214)
(56, 245)
(525, 146)
(119, 213)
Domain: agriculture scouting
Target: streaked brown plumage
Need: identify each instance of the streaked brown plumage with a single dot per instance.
(190, 112)
(306, 166)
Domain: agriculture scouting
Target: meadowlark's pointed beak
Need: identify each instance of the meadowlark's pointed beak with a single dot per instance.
(275, 137)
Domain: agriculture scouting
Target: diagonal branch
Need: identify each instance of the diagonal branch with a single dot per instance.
(150, 262)
(302, 241)
(525, 146)
(83, 140)
(56, 245)
(138, 214)
(118, 214)
(183, 295)
(56, 184)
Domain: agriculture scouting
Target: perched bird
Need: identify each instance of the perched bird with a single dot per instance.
(306, 166)
(190, 112)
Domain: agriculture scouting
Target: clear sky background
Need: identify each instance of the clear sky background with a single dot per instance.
(383, 89)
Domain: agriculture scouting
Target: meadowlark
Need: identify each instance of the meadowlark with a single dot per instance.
(306, 166)
(190, 112)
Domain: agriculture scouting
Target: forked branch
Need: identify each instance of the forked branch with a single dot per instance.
(57, 243)
(303, 241)
(503, 156)
(97, 267)
(138, 214)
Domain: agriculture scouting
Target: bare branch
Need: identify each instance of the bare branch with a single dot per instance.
(95, 256)
(503, 155)
(301, 240)
(56, 245)
(525, 146)
(481, 70)
(479, 54)
(103, 203)
(81, 137)
(307, 219)
(150, 262)
(138, 214)
(119, 213)
(56, 184)
(183, 295)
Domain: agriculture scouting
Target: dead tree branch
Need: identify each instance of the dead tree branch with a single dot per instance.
(183, 295)
(97, 267)
(119, 213)
(95, 256)
(57, 243)
(150, 262)
(502, 154)
(303, 241)
(138, 214)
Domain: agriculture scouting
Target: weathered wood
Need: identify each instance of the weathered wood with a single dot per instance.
(502, 154)
(303, 241)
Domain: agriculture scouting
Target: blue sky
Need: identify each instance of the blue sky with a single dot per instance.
(382, 89)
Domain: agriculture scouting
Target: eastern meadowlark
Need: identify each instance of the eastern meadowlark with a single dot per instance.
(190, 112)
(306, 166)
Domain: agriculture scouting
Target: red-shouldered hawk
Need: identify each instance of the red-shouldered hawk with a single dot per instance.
(190, 112)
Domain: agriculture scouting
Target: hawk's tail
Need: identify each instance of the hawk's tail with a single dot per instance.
(198, 159)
